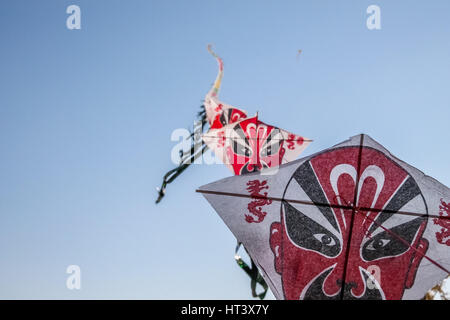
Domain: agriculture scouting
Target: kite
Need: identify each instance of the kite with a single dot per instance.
(250, 145)
(350, 222)
(213, 113)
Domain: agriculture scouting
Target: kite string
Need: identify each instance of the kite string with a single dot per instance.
(333, 206)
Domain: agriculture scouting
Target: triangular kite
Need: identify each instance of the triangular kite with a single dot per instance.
(350, 222)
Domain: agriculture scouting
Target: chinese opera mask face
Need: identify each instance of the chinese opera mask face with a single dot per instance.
(310, 242)
(254, 145)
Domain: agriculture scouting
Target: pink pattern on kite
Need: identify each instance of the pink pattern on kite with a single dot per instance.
(222, 139)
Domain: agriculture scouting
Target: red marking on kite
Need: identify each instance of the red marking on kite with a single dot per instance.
(292, 139)
(290, 142)
(255, 207)
(444, 235)
(222, 138)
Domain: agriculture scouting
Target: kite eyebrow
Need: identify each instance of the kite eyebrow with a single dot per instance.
(241, 134)
(407, 192)
(391, 223)
(307, 180)
(271, 136)
(301, 229)
(313, 213)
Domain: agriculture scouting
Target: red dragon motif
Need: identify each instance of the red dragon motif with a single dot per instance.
(291, 139)
(444, 212)
(255, 206)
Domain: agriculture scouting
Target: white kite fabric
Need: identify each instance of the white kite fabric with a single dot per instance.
(350, 222)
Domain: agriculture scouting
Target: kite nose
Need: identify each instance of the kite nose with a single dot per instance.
(349, 285)
(254, 167)
(254, 164)
(354, 281)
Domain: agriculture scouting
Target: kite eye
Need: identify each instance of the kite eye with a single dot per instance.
(306, 233)
(385, 244)
(272, 144)
(270, 149)
(378, 244)
(325, 239)
(241, 149)
(266, 151)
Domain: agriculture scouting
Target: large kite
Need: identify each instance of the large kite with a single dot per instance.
(350, 222)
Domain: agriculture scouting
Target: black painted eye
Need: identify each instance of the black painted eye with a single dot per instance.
(272, 144)
(325, 239)
(226, 116)
(378, 244)
(308, 234)
(265, 152)
(241, 149)
(388, 243)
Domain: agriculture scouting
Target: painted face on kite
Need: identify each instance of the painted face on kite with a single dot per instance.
(253, 145)
(378, 251)
(250, 145)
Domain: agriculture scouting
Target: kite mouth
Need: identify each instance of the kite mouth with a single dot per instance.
(315, 289)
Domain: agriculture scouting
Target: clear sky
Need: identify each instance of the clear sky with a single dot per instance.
(86, 118)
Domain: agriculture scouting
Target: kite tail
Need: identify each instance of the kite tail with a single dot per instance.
(185, 159)
(253, 273)
(214, 91)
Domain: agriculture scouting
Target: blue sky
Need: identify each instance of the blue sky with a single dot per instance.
(86, 117)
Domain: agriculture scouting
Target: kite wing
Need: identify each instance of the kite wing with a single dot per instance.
(350, 222)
